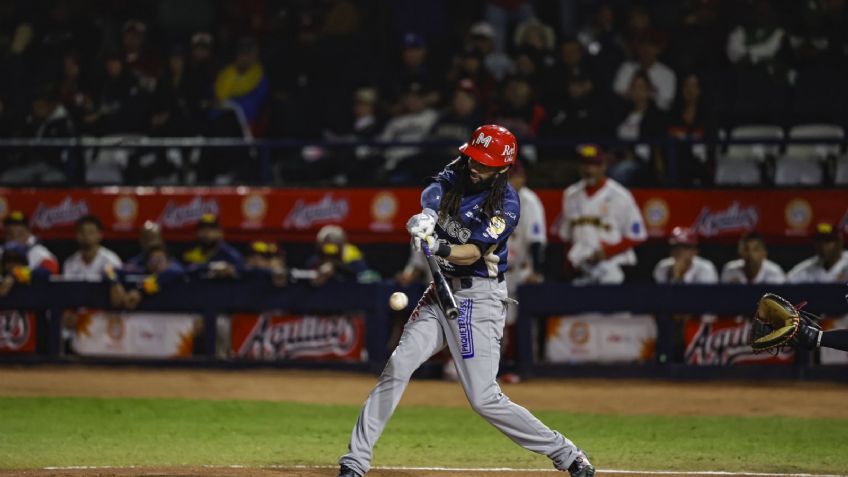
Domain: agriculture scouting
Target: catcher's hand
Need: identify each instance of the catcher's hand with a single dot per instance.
(777, 324)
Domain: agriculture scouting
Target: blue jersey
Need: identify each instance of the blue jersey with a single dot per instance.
(472, 226)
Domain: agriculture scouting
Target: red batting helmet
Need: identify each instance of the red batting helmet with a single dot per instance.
(491, 145)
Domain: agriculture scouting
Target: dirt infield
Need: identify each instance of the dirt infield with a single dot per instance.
(618, 397)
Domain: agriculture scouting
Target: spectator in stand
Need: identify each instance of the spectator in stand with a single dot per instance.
(361, 124)
(539, 37)
(160, 271)
(18, 233)
(412, 125)
(604, 44)
(601, 222)
(463, 116)
(578, 113)
(71, 93)
(483, 39)
(200, 78)
(830, 265)
(48, 119)
(691, 121)
(684, 265)
(529, 66)
(468, 66)
(149, 236)
(639, 118)
(265, 261)
(695, 45)
(753, 265)
(121, 105)
(338, 260)
(137, 59)
(519, 111)
(91, 260)
(758, 40)
(172, 116)
(639, 24)
(240, 89)
(415, 68)
(16, 270)
(212, 257)
(661, 76)
(570, 63)
(504, 15)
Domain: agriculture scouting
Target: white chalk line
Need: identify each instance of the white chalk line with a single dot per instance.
(477, 469)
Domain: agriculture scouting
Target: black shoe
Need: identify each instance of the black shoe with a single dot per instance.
(581, 467)
(345, 471)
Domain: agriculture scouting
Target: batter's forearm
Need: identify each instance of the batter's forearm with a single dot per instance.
(465, 254)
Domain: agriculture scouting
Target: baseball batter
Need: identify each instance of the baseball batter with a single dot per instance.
(601, 220)
(469, 212)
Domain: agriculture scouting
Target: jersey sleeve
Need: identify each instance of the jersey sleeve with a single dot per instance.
(535, 218)
(564, 218)
(431, 196)
(710, 274)
(633, 226)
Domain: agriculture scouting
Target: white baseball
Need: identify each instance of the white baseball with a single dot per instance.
(398, 301)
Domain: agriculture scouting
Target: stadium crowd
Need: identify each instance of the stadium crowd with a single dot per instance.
(401, 71)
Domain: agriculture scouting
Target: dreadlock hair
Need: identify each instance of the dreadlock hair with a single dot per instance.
(493, 204)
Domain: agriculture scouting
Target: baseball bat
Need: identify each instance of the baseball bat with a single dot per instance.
(443, 291)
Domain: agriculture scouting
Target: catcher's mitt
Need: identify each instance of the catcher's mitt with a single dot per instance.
(777, 323)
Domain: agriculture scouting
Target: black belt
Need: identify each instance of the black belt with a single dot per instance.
(467, 282)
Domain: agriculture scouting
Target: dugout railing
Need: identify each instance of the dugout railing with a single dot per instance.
(537, 303)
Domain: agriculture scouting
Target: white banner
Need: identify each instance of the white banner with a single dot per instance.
(137, 335)
(601, 338)
(830, 355)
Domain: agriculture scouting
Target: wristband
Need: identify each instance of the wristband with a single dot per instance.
(444, 250)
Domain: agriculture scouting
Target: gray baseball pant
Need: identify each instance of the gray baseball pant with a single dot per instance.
(474, 342)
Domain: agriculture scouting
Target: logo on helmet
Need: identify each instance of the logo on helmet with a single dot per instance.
(483, 139)
(508, 152)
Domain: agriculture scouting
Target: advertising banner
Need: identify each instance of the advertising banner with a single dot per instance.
(17, 331)
(725, 342)
(294, 337)
(379, 215)
(135, 335)
(596, 338)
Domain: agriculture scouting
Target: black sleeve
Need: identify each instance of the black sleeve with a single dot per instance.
(836, 339)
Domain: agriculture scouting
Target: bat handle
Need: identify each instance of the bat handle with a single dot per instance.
(425, 248)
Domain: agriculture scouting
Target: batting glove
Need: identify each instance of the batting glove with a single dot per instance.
(422, 224)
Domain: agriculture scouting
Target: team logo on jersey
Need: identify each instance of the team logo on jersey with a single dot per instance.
(466, 335)
(455, 229)
(483, 139)
(496, 227)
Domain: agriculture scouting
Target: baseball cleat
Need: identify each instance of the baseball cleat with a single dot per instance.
(345, 471)
(581, 467)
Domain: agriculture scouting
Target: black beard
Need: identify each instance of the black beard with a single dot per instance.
(471, 187)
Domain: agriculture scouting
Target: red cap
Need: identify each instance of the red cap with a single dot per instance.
(491, 145)
(591, 154)
(683, 236)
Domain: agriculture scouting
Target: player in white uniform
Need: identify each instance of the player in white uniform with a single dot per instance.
(91, 260)
(601, 220)
(684, 265)
(753, 266)
(830, 265)
(526, 245)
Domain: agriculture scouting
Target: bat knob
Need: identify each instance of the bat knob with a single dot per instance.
(452, 313)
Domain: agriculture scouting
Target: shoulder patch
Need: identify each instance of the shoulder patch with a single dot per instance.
(496, 227)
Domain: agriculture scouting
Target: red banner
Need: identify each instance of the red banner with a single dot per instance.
(314, 338)
(725, 342)
(17, 332)
(379, 215)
